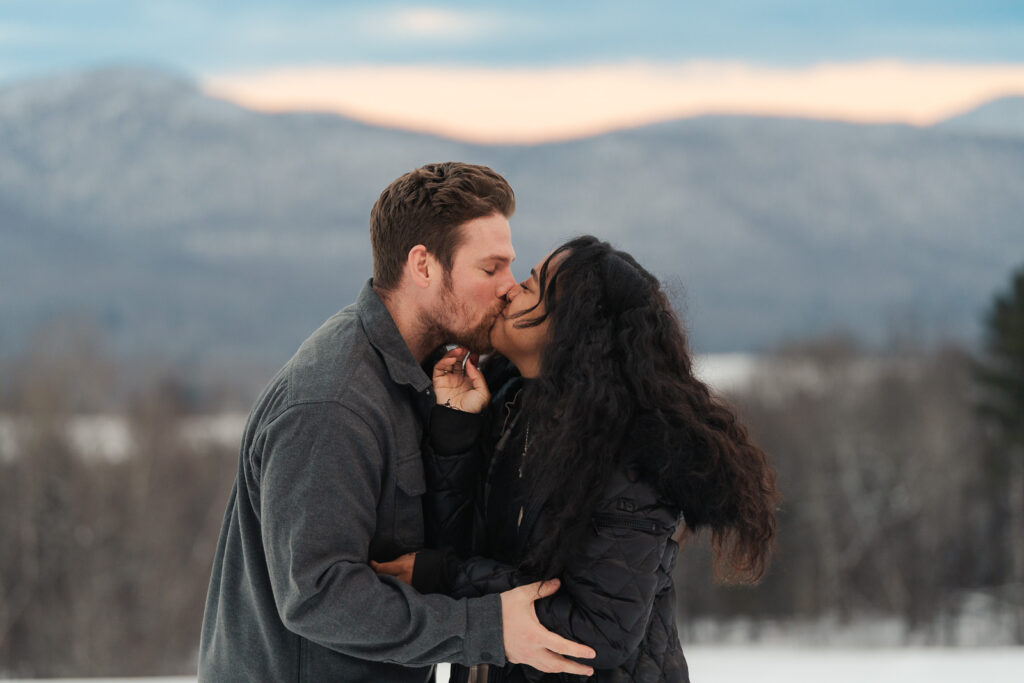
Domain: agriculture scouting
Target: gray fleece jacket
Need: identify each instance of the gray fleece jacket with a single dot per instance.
(330, 476)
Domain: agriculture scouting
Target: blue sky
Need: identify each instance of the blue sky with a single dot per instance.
(47, 36)
(532, 71)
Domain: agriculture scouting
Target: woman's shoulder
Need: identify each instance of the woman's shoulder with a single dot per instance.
(632, 491)
(651, 446)
(654, 464)
(679, 468)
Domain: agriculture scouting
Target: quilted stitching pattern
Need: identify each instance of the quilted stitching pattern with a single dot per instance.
(449, 513)
(617, 596)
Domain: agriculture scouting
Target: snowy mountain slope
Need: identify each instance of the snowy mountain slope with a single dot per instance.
(191, 228)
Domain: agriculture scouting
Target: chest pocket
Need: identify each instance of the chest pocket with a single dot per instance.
(410, 487)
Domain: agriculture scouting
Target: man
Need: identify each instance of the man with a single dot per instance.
(330, 476)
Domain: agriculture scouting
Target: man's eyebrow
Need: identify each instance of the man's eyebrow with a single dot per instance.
(496, 257)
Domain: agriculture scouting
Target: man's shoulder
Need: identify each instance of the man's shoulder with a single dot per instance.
(335, 364)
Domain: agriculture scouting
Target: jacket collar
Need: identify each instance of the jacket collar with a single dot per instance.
(384, 336)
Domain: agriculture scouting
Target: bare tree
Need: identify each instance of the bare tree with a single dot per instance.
(105, 563)
(877, 456)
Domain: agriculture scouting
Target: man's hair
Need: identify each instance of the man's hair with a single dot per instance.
(426, 206)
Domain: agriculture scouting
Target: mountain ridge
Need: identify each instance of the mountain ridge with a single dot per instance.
(214, 232)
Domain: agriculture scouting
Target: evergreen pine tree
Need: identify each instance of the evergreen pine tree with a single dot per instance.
(1001, 380)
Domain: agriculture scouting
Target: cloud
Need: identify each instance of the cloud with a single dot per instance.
(429, 23)
(529, 105)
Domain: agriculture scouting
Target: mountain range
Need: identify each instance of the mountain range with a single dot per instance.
(188, 228)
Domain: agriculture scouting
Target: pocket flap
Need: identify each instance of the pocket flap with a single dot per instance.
(410, 475)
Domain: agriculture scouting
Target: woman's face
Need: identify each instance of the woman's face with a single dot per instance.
(523, 345)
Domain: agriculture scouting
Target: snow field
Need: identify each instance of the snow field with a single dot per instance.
(802, 665)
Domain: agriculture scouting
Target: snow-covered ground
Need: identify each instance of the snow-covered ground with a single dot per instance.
(786, 665)
(109, 437)
(939, 665)
(725, 371)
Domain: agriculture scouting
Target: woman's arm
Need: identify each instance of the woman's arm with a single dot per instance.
(609, 588)
(442, 571)
(452, 456)
(453, 461)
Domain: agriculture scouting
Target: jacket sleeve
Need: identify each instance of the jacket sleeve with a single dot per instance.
(320, 475)
(608, 589)
(442, 571)
(478, 576)
(453, 460)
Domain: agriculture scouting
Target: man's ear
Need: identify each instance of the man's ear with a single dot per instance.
(422, 267)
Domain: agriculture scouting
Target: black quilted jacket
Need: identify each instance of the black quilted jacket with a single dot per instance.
(616, 596)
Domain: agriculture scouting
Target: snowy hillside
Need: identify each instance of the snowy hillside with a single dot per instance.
(191, 228)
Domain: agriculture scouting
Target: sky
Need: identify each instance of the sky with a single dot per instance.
(531, 71)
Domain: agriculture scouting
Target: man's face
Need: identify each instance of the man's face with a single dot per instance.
(480, 277)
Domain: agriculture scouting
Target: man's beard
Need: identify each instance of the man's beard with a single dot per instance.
(477, 339)
(438, 326)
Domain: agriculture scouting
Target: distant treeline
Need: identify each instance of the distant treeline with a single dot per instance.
(895, 499)
(895, 506)
(104, 563)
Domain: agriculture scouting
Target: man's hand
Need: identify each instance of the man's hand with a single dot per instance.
(400, 567)
(458, 383)
(528, 642)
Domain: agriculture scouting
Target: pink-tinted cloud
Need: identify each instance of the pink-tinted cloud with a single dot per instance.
(530, 105)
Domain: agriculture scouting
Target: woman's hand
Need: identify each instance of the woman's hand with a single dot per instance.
(459, 384)
(400, 567)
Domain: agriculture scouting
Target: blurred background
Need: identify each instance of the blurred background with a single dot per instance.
(833, 192)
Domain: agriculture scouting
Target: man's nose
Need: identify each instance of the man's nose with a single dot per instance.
(507, 285)
(512, 293)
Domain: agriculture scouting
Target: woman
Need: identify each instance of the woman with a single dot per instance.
(589, 467)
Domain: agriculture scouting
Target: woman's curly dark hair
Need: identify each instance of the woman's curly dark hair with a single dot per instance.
(616, 368)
